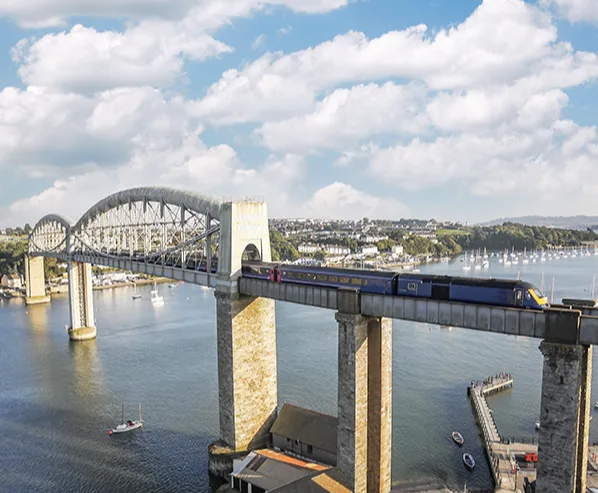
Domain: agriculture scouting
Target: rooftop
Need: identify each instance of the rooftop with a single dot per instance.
(309, 427)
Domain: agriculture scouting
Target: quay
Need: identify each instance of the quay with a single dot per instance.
(502, 454)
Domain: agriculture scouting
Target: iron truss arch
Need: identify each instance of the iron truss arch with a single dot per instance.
(49, 237)
(150, 225)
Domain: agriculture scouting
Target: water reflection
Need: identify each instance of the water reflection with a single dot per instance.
(38, 318)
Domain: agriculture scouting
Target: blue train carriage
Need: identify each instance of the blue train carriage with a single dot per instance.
(259, 270)
(499, 292)
(367, 281)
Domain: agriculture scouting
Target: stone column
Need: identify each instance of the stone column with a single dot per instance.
(247, 380)
(564, 418)
(35, 282)
(364, 402)
(83, 325)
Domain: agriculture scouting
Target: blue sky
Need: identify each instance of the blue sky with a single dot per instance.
(464, 110)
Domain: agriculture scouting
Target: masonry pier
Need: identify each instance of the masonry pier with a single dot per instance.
(35, 282)
(364, 402)
(246, 339)
(564, 418)
(83, 326)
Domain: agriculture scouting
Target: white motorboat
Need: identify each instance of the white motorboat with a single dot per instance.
(469, 460)
(155, 298)
(537, 425)
(171, 286)
(127, 425)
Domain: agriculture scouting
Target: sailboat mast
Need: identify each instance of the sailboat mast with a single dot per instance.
(140, 411)
(122, 413)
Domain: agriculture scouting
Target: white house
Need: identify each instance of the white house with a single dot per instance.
(12, 281)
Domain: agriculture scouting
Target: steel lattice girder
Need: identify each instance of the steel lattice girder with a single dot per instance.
(155, 225)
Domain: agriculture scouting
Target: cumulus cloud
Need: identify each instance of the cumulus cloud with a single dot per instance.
(500, 41)
(342, 201)
(86, 60)
(44, 13)
(574, 10)
(348, 115)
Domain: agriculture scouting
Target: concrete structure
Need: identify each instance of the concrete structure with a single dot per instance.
(35, 283)
(564, 418)
(83, 326)
(177, 234)
(364, 401)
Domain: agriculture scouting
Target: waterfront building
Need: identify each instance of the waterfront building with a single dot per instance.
(11, 281)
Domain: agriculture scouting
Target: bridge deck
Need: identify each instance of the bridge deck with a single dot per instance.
(569, 326)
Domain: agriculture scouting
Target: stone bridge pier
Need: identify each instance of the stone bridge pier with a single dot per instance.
(83, 326)
(364, 433)
(246, 340)
(35, 282)
(565, 407)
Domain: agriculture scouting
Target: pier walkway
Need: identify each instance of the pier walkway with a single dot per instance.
(501, 456)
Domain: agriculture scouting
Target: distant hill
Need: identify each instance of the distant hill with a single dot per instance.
(564, 222)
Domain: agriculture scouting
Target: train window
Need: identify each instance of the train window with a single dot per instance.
(322, 277)
(333, 278)
(356, 281)
(344, 280)
(411, 286)
(527, 295)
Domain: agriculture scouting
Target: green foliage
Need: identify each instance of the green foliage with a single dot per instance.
(282, 249)
(320, 255)
(386, 245)
(51, 269)
(11, 256)
(509, 235)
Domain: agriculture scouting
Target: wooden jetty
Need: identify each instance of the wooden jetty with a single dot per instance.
(501, 453)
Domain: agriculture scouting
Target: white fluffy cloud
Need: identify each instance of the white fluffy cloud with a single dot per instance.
(501, 41)
(46, 128)
(37, 13)
(348, 115)
(342, 201)
(148, 54)
(575, 10)
(559, 161)
(480, 107)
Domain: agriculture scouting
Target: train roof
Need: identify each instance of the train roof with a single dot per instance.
(469, 281)
(339, 271)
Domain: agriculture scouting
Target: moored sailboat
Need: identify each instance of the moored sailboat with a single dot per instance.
(127, 425)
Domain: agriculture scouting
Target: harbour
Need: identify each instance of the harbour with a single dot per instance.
(85, 382)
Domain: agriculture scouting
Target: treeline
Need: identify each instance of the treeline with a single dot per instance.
(518, 236)
(12, 256)
(18, 231)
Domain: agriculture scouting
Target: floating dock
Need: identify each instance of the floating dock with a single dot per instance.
(502, 454)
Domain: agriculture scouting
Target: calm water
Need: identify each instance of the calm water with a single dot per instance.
(58, 399)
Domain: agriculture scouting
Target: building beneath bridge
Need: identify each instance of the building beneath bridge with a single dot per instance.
(304, 443)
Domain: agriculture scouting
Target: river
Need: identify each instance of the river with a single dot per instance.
(58, 399)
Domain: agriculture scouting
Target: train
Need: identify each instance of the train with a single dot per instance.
(498, 292)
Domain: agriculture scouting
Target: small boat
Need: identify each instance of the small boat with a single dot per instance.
(171, 286)
(596, 405)
(458, 438)
(127, 425)
(537, 425)
(468, 461)
(136, 295)
(155, 298)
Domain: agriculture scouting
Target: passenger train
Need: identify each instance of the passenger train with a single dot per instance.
(499, 292)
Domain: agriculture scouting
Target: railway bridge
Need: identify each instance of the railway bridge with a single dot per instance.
(198, 239)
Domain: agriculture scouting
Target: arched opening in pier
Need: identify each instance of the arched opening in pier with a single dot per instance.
(251, 254)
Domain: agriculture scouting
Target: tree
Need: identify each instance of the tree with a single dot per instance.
(320, 255)
(27, 228)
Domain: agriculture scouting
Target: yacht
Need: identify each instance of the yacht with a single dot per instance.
(155, 298)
